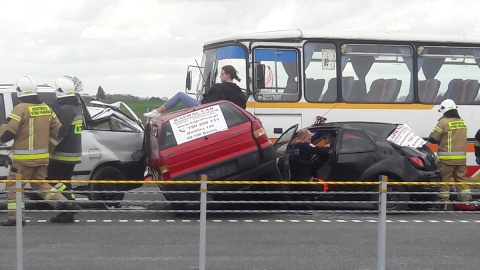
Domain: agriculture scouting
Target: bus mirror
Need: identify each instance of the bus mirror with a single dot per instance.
(260, 79)
(188, 80)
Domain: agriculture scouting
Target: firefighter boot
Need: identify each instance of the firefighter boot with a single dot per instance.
(9, 222)
(65, 217)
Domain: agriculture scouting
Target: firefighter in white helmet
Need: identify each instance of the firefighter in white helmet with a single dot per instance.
(450, 134)
(31, 125)
(68, 152)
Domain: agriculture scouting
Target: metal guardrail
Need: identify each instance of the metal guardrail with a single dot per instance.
(201, 204)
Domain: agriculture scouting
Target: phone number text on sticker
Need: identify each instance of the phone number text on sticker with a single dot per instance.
(198, 124)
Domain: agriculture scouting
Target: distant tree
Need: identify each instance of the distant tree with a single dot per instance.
(100, 93)
(77, 82)
(155, 99)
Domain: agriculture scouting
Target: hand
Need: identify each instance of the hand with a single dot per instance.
(477, 160)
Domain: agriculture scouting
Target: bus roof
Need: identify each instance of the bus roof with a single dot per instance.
(292, 34)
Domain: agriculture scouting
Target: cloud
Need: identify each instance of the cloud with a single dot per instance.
(144, 47)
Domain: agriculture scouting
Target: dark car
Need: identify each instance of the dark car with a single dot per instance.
(361, 152)
(218, 139)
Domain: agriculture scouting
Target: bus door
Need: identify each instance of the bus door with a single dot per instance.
(276, 85)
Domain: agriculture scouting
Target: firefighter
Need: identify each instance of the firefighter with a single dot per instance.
(31, 125)
(450, 134)
(69, 150)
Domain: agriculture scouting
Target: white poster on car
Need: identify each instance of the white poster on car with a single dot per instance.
(404, 135)
(198, 123)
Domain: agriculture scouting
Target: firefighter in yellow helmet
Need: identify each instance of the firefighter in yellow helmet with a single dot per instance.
(450, 134)
(31, 125)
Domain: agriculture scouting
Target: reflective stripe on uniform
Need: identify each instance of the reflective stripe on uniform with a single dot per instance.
(467, 190)
(52, 193)
(452, 155)
(65, 158)
(30, 154)
(444, 195)
(15, 117)
(476, 143)
(31, 133)
(54, 142)
(60, 186)
(449, 141)
(13, 206)
(436, 128)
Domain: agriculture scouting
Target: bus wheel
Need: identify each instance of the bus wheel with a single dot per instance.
(106, 191)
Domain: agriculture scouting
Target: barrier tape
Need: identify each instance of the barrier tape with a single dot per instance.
(242, 182)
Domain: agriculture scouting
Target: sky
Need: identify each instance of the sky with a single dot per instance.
(143, 47)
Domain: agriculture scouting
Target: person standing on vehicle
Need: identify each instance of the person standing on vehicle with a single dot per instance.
(226, 90)
(31, 125)
(450, 134)
(68, 152)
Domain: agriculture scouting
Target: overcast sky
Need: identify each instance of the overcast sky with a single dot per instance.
(143, 47)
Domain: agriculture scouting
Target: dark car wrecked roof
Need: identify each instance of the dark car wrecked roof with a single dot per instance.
(376, 128)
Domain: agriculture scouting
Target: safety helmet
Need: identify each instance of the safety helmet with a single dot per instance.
(64, 87)
(447, 105)
(25, 86)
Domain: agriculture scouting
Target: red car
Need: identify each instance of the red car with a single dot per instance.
(218, 139)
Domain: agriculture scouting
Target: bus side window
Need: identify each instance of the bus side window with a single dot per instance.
(428, 90)
(291, 91)
(331, 93)
(384, 91)
(314, 89)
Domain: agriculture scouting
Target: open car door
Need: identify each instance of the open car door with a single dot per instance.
(282, 151)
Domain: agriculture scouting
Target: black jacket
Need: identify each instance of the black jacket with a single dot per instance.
(301, 154)
(69, 150)
(226, 91)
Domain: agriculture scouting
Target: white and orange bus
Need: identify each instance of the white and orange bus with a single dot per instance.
(292, 77)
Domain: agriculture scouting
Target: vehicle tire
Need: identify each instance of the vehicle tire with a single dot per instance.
(393, 199)
(106, 173)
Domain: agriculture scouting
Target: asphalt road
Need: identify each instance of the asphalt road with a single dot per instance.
(144, 235)
(136, 240)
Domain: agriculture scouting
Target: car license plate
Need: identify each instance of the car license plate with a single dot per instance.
(222, 170)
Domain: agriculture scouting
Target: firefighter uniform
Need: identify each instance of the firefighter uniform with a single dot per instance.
(33, 126)
(69, 151)
(451, 134)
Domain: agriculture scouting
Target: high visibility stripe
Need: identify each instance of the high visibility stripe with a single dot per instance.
(13, 206)
(436, 128)
(52, 193)
(26, 152)
(451, 157)
(444, 195)
(64, 158)
(455, 153)
(15, 117)
(60, 186)
(476, 143)
(31, 133)
(27, 157)
(449, 141)
(77, 122)
(53, 141)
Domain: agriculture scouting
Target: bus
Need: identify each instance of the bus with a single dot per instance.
(291, 77)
